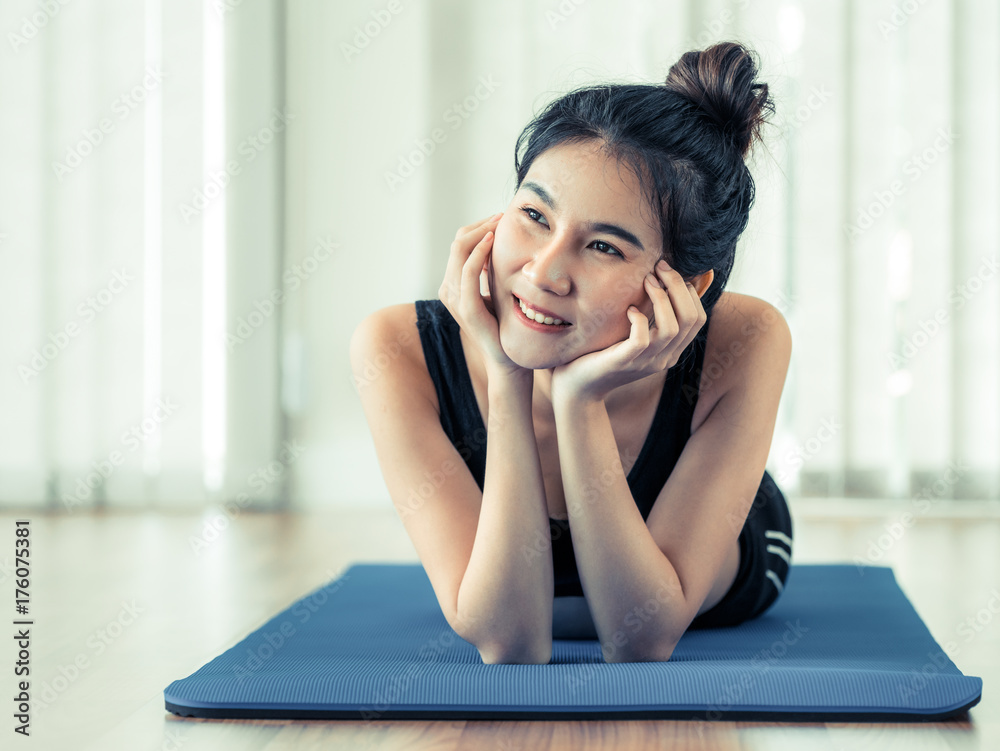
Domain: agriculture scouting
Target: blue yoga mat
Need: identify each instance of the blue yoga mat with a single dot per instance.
(840, 644)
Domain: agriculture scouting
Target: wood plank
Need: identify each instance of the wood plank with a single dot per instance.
(129, 598)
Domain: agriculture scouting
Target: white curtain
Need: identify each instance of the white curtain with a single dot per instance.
(125, 264)
(887, 122)
(875, 231)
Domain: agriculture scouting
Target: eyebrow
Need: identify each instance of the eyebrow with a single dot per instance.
(612, 229)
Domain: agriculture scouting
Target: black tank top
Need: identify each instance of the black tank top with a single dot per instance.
(463, 424)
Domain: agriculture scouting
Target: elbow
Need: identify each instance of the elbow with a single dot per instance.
(653, 642)
(514, 644)
(517, 652)
(528, 649)
(661, 654)
(656, 652)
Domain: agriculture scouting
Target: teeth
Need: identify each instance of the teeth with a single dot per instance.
(539, 317)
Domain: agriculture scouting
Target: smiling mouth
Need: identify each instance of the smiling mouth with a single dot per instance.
(535, 317)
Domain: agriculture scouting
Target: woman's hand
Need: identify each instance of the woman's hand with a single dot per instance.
(679, 316)
(460, 292)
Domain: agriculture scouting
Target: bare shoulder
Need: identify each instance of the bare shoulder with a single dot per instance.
(391, 377)
(748, 347)
(387, 341)
(744, 317)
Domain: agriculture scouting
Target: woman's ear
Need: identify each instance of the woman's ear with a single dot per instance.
(484, 282)
(703, 281)
(486, 285)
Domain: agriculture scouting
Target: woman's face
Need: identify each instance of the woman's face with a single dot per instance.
(582, 257)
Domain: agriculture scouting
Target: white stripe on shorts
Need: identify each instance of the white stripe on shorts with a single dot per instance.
(777, 581)
(778, 550)
(774, 534)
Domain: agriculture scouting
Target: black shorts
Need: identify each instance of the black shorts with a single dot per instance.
(765, 558)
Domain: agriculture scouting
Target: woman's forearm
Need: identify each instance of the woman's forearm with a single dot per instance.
(619, 563)
(507, 588)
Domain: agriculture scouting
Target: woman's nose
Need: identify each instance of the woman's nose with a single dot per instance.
(548, 269)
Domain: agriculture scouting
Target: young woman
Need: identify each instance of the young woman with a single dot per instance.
(580, 452)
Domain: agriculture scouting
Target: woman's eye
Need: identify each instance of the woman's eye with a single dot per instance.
(529, 211)
(613, 251)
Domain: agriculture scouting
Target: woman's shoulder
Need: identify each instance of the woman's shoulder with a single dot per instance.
(387, 341)
(737, 307)
(748, 339)
(739, 321)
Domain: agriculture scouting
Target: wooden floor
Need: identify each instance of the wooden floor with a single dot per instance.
(123, 606)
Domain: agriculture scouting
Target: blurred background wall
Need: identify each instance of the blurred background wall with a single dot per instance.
(199, 201)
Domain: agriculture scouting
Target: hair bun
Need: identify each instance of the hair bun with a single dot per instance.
(721, 80)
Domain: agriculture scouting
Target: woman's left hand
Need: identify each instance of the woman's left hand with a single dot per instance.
(678, 316)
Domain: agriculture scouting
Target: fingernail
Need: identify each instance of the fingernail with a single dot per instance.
(662, 265)
(496, 216)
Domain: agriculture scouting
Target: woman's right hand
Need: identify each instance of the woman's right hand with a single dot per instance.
(461, 295)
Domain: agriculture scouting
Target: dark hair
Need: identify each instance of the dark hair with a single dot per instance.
(686, 140)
